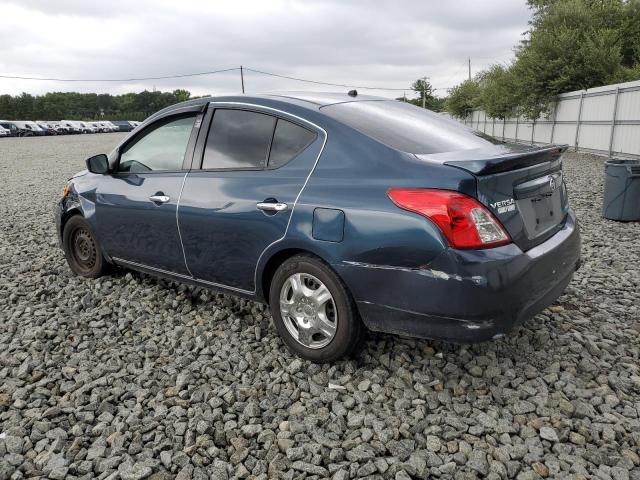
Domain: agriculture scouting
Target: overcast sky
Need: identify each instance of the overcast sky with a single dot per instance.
(377, 43)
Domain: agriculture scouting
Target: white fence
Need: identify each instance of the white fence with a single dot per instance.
(603, 120)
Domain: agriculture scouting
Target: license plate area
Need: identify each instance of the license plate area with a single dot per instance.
(540, 204)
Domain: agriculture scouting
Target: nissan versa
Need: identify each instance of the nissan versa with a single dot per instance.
(342, 212)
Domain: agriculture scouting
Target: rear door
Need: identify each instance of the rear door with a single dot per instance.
(136, 205)
(242, 189)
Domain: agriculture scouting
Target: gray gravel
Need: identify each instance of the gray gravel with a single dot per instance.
(132, 377)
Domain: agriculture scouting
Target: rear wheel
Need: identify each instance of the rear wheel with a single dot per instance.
(313, 310)
(81, 248)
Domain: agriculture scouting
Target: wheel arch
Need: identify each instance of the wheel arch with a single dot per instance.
(66, 215)
(274, 261)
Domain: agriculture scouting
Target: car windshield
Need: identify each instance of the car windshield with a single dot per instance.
(407, 128)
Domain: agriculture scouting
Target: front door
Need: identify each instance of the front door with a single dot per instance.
(136, 205)
(253, 167)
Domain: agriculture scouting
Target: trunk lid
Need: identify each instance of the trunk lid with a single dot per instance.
(522, 186)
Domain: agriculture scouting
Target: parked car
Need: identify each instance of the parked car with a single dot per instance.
(59, 128)
(114, 128)
(342, 212)
(29, 129)
(94, 125)
(72, 126)
(14, 130)
(87, 127)
(98, 127)
(123, 125)
(46, 125)
(46, 128)
(4, 132)
(107, 126)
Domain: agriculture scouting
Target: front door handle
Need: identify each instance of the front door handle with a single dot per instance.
(159, 198)
(271, 206)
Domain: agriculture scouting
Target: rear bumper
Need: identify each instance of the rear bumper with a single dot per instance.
(466, 296)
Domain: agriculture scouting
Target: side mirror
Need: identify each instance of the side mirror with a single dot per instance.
(98, 164)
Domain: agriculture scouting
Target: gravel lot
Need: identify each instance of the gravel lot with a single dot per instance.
(132, 377)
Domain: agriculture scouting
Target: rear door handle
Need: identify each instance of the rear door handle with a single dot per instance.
(271, 206)
(159, 198)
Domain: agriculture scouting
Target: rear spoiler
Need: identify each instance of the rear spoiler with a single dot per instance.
(509, 161)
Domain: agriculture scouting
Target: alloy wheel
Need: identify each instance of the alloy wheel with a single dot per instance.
(308, 310)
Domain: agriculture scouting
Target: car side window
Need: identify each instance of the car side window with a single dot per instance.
(161, 148)
(238, 139)
(289, 140)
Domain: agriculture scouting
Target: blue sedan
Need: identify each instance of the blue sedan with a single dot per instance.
(345, 213)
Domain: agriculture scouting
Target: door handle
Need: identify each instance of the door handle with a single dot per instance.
(159, 198)
(271, 206)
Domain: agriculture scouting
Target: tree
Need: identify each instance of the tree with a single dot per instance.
(423, 88)
(630, 38)
(181, 95)
(87, 106)
(463, 98)
(497, 93)
(571, 45)
(431, 102)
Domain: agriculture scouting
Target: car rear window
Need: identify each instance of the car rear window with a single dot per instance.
(289, 140)
(405, 127)
(238, 139)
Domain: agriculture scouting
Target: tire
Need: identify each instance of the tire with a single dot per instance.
(81, 249)
(334, 326)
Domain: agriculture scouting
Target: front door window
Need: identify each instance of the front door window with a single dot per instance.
(161, 149)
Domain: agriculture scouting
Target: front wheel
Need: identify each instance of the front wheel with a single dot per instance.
(313, 310)
(81, 249)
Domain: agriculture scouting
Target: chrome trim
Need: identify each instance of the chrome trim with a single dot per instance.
(184, 255)
(159, 198)
(272, 206)
(179, 275)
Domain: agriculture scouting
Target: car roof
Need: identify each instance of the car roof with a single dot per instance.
(317, 99)
(310, 100)
(322, 99)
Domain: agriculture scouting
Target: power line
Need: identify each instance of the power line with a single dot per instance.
(120, 79)
(165, 77)
(317, 82)
(362, 87)
(458, 71)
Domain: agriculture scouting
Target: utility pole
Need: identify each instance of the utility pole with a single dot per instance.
(424, 93)
(469, 60)
(242, 78)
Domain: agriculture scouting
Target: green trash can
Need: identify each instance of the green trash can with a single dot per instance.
(622, 190)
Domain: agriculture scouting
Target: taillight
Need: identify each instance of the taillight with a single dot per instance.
(463, 220)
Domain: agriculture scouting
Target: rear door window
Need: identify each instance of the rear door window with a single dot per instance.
(238, 139)
(289, 140)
